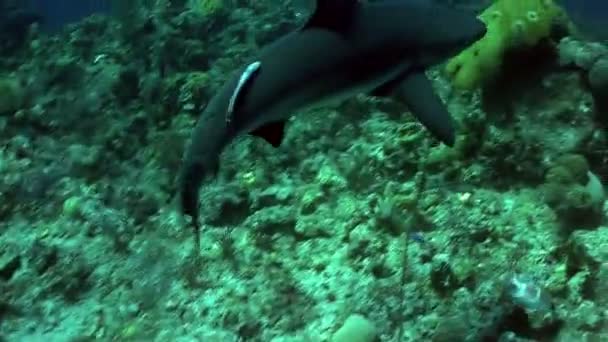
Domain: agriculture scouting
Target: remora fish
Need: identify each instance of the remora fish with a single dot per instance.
(346, 47)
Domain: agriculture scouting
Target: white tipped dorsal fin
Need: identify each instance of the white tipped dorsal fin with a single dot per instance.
(246, 77)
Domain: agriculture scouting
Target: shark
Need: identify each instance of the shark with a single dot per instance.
(345, 48)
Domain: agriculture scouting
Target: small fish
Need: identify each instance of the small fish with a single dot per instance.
(590, 17)
(346, 47)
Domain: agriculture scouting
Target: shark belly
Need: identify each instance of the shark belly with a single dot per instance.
(327, 91)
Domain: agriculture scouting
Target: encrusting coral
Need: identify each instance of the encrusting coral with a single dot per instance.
(510, 24)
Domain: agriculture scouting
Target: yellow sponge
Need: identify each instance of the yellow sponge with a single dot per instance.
(510, 23)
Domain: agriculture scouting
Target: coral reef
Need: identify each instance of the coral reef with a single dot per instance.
(11, 95)
(575, 192)
(205, 7)
(357, 225)
(592, 59)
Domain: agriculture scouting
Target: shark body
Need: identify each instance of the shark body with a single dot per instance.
(347, 47)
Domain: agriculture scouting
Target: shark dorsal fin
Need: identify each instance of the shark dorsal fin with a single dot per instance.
(335, 15)
(243, 84)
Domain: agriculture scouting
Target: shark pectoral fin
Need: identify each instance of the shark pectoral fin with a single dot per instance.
(388, 89)
(417, 92)
(272, 132)
(245, 81)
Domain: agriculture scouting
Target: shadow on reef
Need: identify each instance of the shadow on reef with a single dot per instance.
(517, 321)
(601, 109)
(14, 25)
(522, 73)
(581, 219)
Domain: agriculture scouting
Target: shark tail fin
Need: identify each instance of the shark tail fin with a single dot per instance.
(190, 180)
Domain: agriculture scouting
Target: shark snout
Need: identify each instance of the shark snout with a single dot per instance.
(477, 29)
(466, 30)
(450, 30)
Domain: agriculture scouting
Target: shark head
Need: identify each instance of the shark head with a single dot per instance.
(459, 32)
(441, 32)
